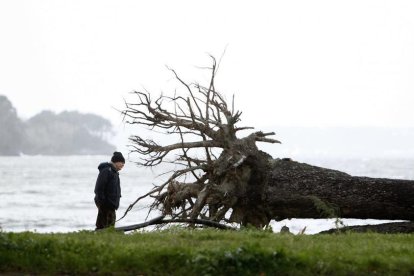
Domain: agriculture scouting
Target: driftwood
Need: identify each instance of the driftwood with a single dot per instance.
(161, 220)
(224, 177)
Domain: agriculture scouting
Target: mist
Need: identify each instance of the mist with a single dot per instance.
(300, 63)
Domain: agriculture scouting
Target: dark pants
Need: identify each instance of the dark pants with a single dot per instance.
(106, 217)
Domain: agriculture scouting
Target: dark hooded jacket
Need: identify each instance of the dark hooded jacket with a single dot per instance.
(108, 186)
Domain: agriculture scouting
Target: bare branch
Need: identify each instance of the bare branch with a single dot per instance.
(161, 220)
(222, 167)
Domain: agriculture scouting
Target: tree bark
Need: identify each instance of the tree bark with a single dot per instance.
(298, 190)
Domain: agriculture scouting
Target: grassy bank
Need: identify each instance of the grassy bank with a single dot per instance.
(206, 252)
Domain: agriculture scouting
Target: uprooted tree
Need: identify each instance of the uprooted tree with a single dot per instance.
(225, 178)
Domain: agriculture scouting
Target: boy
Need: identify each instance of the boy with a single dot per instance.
(108, 190)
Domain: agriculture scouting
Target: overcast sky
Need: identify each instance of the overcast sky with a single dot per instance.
(291, 63)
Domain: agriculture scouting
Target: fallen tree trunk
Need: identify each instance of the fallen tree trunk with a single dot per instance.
(298, 190)
(223, 177)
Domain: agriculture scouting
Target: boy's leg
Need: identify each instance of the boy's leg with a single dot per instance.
(106, 217)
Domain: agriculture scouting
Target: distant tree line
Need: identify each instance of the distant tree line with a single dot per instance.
(48, 133)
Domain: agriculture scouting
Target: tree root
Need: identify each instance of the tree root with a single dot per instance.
(161, 220)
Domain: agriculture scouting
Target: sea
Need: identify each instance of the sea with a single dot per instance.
(51, 194)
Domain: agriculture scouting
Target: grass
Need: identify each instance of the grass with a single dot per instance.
(206, 252)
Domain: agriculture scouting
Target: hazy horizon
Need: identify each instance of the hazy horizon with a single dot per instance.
(297, 142)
